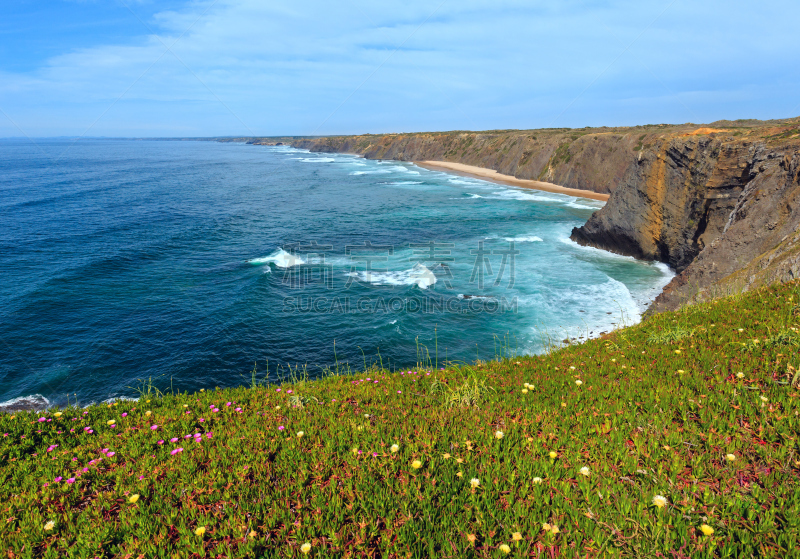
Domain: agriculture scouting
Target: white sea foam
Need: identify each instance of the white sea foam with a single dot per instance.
(419, 275)
(377, 172)
(316, 159)
(528, 239)
(280, 258)
(405, 183)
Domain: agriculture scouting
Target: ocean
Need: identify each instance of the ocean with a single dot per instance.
(189, 263)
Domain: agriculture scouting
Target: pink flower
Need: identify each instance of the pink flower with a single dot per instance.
(59, 478)
(141, 478)
(228, 404)
(85, 470)
(176, 451)
(161, 442)
(399, 391)
(201, 420)
(238, 410)
(154, 427)
(277, 390)
(42, 419)
(281, 428)
(110, 454)
(71, 480)
(125, 414)
(174, 440)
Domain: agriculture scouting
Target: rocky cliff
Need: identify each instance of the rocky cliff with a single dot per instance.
(718, 203)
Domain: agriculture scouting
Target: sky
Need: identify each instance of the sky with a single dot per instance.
(168, 68)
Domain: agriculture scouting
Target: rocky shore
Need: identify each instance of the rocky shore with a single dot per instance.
(718, 202)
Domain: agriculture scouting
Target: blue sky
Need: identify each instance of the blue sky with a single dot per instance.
(272, 67)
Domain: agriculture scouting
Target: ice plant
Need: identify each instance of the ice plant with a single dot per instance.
(300, 434)
(416, 464)
(474, 482)
(505, 549)
(584, 471)
(200, 531)
(553, 454)
(49, 525)
(537, 480)
(706, 529)
(660, 501)
(498, 435)
(394, 448)
(133, 498)
(579, 382)
(516, 536)
(305, 548)
(730, 457)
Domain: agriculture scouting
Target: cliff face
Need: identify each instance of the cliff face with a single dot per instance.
(721, 211)
(586, 159)
(719, 204)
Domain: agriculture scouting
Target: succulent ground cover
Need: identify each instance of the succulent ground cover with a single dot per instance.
(675, 438)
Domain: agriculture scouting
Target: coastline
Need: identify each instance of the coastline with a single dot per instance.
(494, 176)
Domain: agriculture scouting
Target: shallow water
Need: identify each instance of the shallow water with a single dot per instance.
(189, 261)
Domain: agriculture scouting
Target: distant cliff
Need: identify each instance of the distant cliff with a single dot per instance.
(719, 203)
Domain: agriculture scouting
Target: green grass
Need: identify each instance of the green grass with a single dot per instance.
(647, 419)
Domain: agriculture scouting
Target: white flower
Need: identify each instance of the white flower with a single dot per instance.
(764, 398)
(579, 382)
(659, 501)
(394, 448)
(300, 434)
(505, 549)
(572, 368)
(584, 471)
(537, 480)
(739, 375)
(498, 435)
(730, 457)
(50, 525)
(524, 390)
(305, 548)
(474, 482)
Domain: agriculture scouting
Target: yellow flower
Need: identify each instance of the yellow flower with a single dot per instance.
(133, 498)
(445, 455)
(58, 414)
(49, 525)
(148, 413)
(579, 382)
(563, 404)
(474, 482)
(300, 434)
(554, 529)
(706, 529)
(498, 435)
(553, 454)
(516, 536)
(505, 549)
(471, 538)
(111, 422)
(613, 360)
(660, 501)
(394, 448)
(681, 371)
(253, 534)
(460, 460)
(305, 548)
(416, 464)
(764, 398)
(537, 480)
(148, 401)
(460, 474)
(730, 457)
(677, 352)
(355, 451)
(185, 405)
(277, 408)
(524, 390)
(546, 527)
(739, 375)
(200, 531)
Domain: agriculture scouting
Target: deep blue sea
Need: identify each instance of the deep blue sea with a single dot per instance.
(187, 262)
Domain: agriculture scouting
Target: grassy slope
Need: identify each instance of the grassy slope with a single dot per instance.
(641, 426)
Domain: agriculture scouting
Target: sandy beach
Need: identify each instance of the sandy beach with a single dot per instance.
(494, 176)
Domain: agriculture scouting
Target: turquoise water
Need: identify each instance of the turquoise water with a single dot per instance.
(189, 261)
